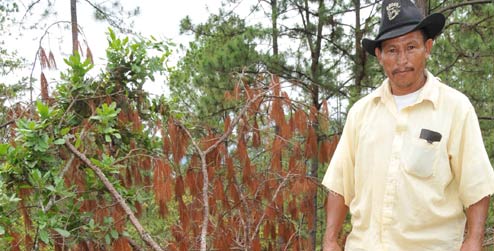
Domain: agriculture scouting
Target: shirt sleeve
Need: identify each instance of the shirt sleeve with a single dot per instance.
(470, 162)
(339, 177)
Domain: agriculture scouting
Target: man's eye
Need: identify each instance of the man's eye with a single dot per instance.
(411, 47)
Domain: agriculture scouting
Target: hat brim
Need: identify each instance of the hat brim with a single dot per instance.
(432, 24)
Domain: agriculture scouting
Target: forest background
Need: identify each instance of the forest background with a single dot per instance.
(231, 157)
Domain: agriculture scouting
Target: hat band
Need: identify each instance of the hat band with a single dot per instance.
(395, 27)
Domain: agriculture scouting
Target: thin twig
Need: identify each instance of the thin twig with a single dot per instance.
(29, 9)
(278, 189)
(31, 79)
(235, 122)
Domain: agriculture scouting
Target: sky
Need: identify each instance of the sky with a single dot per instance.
(160, 19)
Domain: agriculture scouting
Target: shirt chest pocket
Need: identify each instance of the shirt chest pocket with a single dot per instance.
(419, 157)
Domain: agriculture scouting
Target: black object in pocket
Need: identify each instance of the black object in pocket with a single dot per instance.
(430, 136)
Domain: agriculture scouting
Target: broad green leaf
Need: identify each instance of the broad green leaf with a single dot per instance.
(59, 142)
(43, 235)
(63, 232)
(112, 34)
(114, 234)
(78, 142)
(51, 188)
(43, 109)
(96, 162)
(64, 131)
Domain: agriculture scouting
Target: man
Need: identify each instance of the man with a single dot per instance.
(410, 166)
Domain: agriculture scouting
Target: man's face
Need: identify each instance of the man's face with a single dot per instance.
(403, 60)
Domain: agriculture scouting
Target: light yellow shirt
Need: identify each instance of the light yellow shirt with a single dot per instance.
(404, 193)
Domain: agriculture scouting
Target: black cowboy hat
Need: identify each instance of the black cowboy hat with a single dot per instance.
(399, 17)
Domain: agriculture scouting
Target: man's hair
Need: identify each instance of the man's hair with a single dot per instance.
(425, 36)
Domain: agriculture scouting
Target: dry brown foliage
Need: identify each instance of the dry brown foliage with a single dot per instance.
(258, 193)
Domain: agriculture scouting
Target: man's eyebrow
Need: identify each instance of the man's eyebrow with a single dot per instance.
(389, 45)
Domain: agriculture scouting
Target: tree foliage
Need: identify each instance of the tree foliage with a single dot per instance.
(223, 48)
(63, 202)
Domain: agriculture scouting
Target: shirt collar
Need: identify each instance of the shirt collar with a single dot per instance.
(430, 91)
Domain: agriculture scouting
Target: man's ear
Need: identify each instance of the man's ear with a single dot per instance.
(428, 46)
(377, 51)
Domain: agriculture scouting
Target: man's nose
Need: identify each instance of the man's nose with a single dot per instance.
(402, 58)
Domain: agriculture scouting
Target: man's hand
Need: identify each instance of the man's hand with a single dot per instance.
(476, 216)
(336, 211)
(332, 246)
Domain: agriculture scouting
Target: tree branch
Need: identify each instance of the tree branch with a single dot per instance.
(110, 19)
(146, 237)
(448, 67)
(29, 9)
(454, 6)
(486, 118)
(134, 245)
(7, 124)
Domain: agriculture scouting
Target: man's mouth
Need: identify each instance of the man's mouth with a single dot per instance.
(399, 71)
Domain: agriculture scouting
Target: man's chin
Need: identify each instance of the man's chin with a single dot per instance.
(401, 86)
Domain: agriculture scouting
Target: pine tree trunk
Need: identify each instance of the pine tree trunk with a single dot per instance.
(423, 6)
(360, 56)
(274, 24)
(316, 74)
(73, 18)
